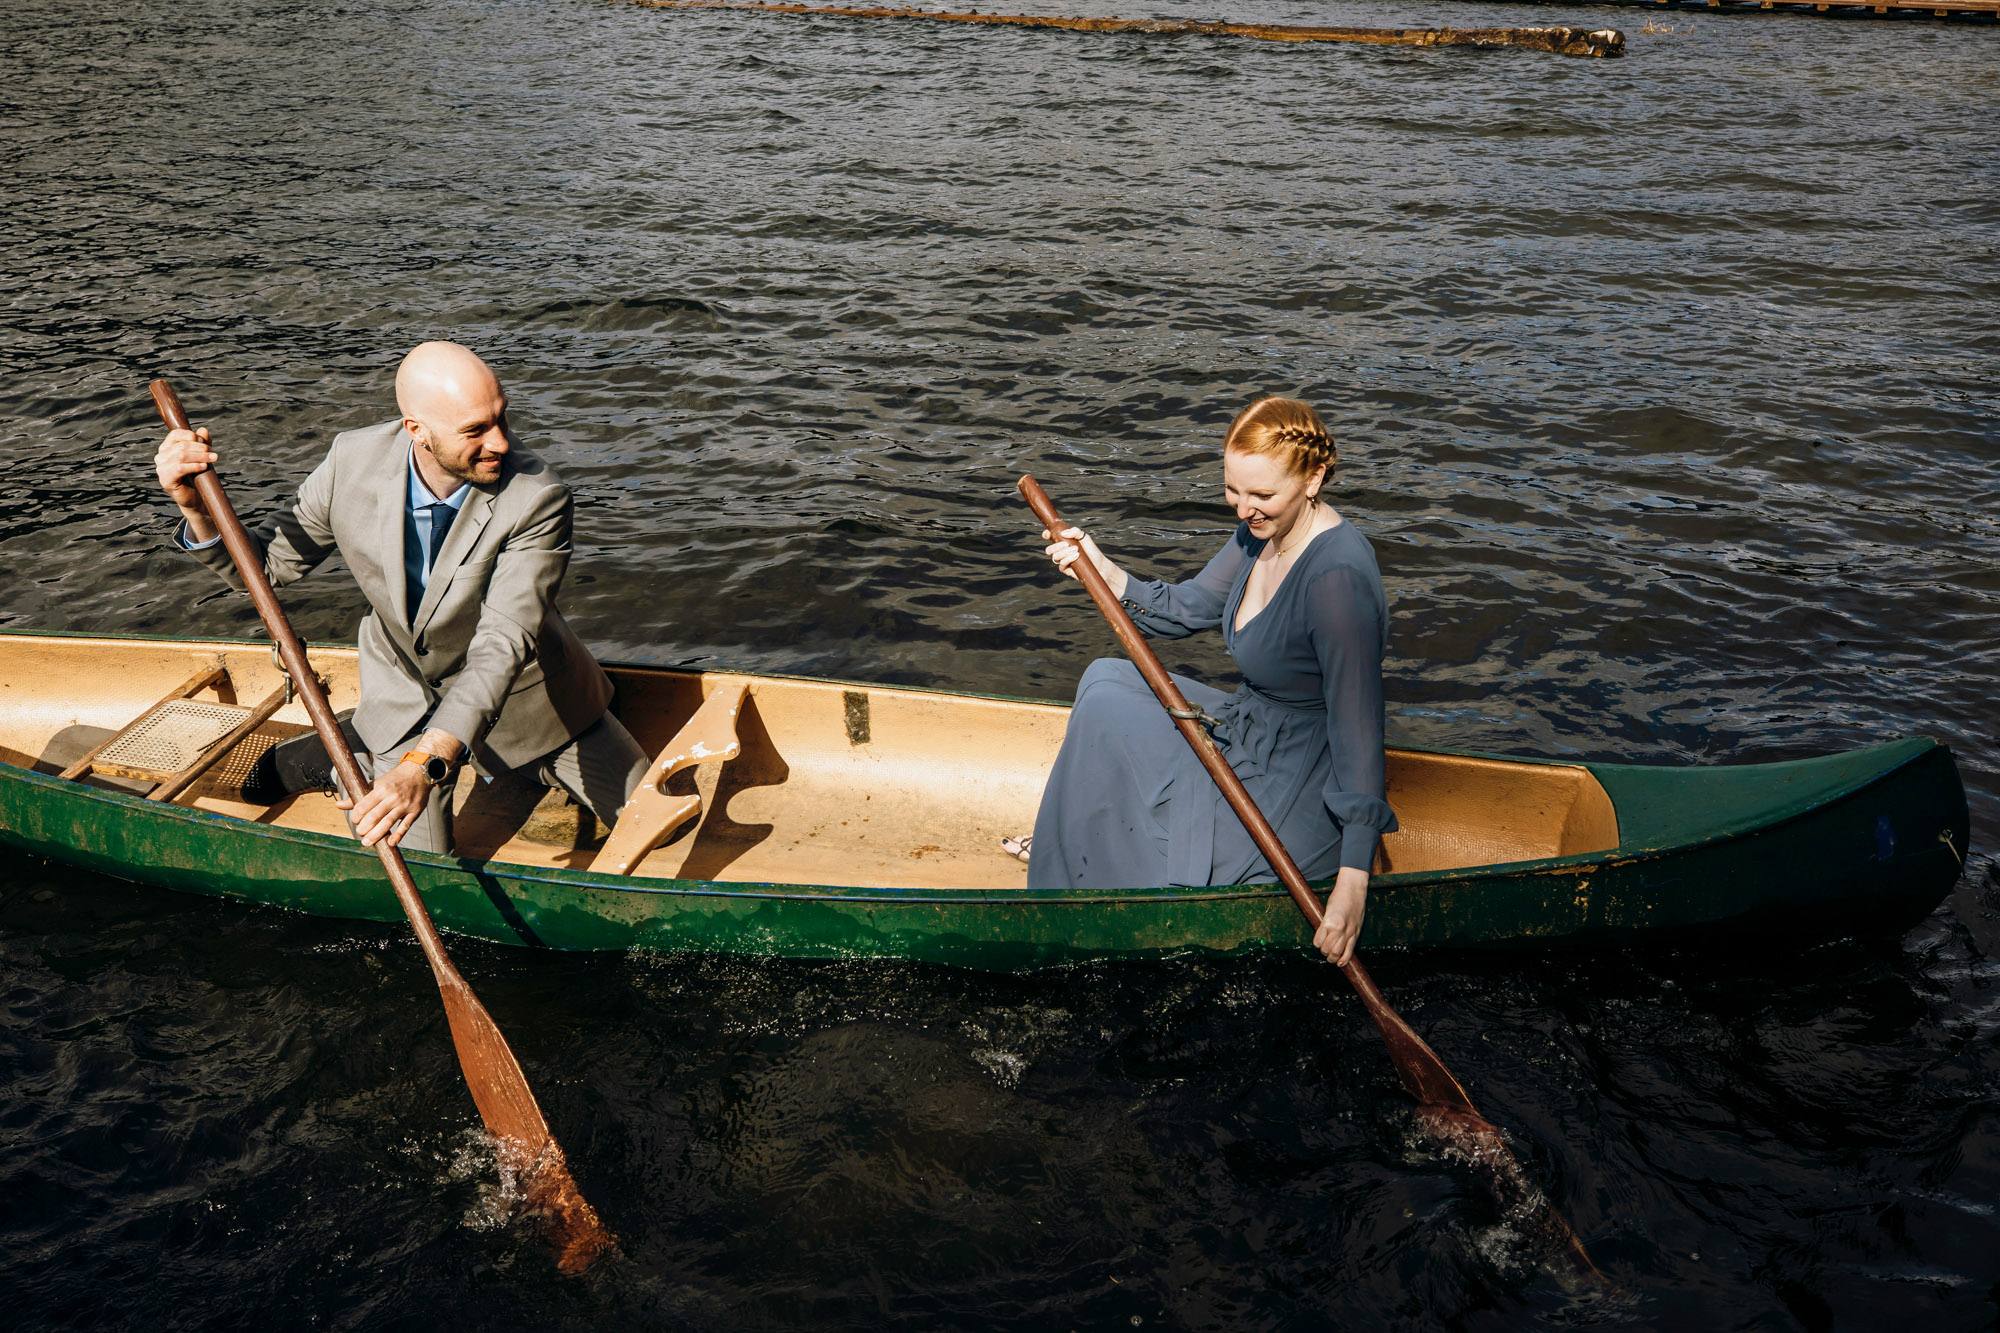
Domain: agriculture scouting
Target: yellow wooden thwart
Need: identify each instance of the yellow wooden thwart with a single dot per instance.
(652, 815)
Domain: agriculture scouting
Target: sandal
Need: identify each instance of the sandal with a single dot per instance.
(1018, 847)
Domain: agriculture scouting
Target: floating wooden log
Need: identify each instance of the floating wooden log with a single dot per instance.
(1968, 9)
(1560, 41)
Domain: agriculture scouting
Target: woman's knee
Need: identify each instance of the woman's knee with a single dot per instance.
(1109, 671)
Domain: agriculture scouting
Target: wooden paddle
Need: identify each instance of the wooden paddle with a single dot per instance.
(1446, 1109)
(498, 1086)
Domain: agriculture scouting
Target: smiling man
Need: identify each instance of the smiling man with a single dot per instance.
(459, 539)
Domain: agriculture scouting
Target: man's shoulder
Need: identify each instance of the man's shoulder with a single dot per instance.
(368, 441)
(528, 474)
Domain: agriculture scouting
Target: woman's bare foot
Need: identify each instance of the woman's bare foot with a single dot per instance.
(1018, 847)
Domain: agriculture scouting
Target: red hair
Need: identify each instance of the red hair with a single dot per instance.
(1285, 429)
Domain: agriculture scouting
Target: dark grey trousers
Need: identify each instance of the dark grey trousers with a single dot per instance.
(600, 770)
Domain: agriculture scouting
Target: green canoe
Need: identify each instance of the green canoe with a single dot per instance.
(863, 821)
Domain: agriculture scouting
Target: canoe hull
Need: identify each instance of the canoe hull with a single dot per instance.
(1874, 856)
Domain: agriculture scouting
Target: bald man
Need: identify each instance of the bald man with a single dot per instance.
(459, 539)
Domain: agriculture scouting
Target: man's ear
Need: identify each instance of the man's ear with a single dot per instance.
(418, 435)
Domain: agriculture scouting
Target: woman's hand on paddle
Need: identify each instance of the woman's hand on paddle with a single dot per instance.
(182, 455)
(1340, 923)
(391, 807)
(1071, 546)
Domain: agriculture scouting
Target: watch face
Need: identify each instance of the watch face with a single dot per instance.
(437, 770)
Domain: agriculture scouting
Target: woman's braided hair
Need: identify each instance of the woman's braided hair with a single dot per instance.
(1285, 429)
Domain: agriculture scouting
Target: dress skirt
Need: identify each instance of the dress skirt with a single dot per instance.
(1129, 805)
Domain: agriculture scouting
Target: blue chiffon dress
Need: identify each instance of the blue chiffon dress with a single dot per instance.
(1128, 804)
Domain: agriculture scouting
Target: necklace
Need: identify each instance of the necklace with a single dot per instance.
(1311, 520)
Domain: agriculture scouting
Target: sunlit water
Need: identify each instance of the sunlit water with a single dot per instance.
(1664, 389)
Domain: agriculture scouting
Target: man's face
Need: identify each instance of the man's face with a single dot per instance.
(467, 431)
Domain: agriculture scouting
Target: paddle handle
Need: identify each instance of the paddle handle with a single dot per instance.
(1422, 1072)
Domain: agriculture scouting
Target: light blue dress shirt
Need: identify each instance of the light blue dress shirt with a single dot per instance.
(427, 522)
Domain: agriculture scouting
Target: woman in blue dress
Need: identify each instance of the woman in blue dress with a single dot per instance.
(1299, 600)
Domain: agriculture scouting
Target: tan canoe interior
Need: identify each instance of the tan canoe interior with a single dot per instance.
(836, 784)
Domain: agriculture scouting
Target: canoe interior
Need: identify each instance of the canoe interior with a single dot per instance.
(836, 784)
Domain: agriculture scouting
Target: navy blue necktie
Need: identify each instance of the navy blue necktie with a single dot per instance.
(441, 516)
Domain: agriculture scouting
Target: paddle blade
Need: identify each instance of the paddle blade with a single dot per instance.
(1448, 1118)
(1477, 1145)
(528, 1152)
(568, 1222)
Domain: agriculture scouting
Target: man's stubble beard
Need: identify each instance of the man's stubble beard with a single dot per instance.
(465, 474)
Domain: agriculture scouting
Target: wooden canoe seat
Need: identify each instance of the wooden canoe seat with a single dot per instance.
(177, 740)
(652, 814)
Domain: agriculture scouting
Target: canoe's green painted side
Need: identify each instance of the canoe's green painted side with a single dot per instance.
(1845, 835)
(1813, 844)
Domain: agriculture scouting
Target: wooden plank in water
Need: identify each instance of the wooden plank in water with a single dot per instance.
(1557, 41)
(1830, 8)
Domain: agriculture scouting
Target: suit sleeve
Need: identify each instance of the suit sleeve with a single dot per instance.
(526, 575)
(1175, 610)
(293, 542)
(1344, 619)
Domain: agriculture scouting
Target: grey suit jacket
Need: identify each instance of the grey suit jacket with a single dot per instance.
(486, 656)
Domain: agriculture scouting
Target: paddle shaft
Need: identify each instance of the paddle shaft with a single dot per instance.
(1422, 1072)
(499, 1088)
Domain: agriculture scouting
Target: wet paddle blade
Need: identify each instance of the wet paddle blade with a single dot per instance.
(1418, 1066)
(528, 1152)
(1476, 1145)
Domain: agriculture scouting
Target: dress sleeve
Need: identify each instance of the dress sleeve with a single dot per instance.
(1175, 610)
(1344, 619)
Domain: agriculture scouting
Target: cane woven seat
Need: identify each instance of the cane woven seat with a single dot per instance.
(168, 739)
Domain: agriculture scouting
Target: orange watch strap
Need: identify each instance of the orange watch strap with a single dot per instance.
(422, 759)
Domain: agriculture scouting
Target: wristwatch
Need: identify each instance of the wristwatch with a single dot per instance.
(436, 770)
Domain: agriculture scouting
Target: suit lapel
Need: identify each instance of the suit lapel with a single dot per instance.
(458, 542)
(393, 495)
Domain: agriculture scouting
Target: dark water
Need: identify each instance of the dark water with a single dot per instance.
(1665, 390)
